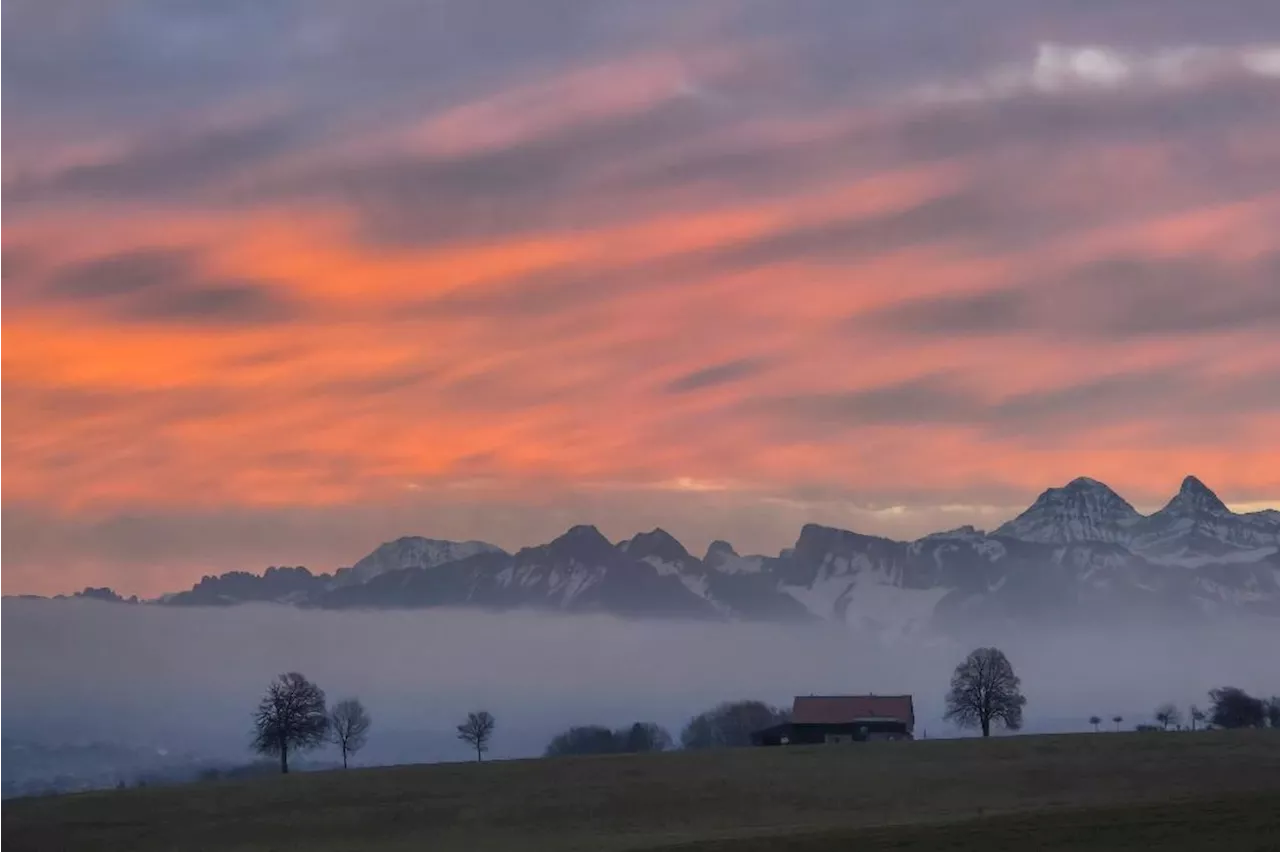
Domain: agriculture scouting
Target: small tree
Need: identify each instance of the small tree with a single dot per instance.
(1167, 714)
(1196, 715)
(290, 717)
(1095, 721)
(984, 689)
(1235, 708)
(477, 730)
(1117, 719)
(349, 727)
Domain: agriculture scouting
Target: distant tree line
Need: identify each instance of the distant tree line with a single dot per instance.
(638, 738)
(1229, 707)
(726, 725)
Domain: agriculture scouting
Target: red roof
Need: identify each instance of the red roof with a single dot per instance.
(840, 709)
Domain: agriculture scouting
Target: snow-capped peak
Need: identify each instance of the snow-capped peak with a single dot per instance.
(1195, 498)
(409, 552)
(1082, 510)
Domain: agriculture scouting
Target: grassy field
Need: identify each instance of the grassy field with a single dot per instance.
(1211, 791)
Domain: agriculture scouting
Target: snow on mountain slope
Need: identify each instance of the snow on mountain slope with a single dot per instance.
(409, 552)
(1197, 528)
(723, 558)
(1082, 510)
(1080, 553)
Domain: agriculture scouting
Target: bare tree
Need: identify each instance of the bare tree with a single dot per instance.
(1117, 720)
(477, 730)
(1167, 714)
(984, 689)
(290, 717)
(1095, 721)
(1196, 715)
(349, 727)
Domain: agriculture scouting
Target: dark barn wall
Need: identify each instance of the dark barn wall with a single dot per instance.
(800, 734)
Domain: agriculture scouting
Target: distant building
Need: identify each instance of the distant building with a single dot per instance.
(819, 719)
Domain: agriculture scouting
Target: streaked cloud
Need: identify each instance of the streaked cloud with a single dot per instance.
(308, 275)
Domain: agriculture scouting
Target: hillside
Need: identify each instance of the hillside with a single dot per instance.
(1217, 790)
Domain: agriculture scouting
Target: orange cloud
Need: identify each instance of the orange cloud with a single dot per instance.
(659, 273)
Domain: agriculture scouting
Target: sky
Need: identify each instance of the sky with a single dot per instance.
(282, 280)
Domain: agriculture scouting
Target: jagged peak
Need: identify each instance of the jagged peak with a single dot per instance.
(1084, 488)
(580, 535)
(1194, 497)
(657, 542)
(719, 549)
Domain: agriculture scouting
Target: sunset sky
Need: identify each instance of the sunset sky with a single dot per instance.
(283, 280)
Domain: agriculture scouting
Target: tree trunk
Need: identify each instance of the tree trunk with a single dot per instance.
(284, 760)
(479, 754)
(344, 757)
(986, 727)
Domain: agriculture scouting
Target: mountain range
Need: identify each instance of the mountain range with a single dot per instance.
(1079, 553)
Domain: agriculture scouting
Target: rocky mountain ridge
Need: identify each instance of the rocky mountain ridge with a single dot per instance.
(1080, 552)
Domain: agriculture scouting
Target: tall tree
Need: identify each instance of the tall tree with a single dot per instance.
(1167, 714)
(1196, 715)
(1235, 708)
(730, 724)
(477, 731)
(1117, 719)
(1095, 721)
(349, 727)
(984, 690)
(290, 717)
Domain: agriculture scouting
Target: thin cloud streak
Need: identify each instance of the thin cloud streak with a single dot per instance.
(284, 262)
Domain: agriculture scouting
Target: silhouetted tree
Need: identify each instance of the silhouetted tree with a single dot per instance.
(584, 739)
(1167, 714)
(984, 689)
(1235, 708)
(349, 727)
(730, 724)
(1095, 721)
(1117, 720)
(290, 717)
(1196, 715)
(477, 730)
(644, 737)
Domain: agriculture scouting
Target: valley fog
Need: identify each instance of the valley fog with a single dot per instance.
(188, 679)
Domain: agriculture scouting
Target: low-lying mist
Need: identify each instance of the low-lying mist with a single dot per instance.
(188, 679)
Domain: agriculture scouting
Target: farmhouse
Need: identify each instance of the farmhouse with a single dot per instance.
(843, 719)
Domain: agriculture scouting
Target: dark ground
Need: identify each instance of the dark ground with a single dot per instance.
(1160, 792)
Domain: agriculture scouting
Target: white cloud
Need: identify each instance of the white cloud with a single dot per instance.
(1055, 68)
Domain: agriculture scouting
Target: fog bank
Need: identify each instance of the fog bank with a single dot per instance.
(189, 678)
